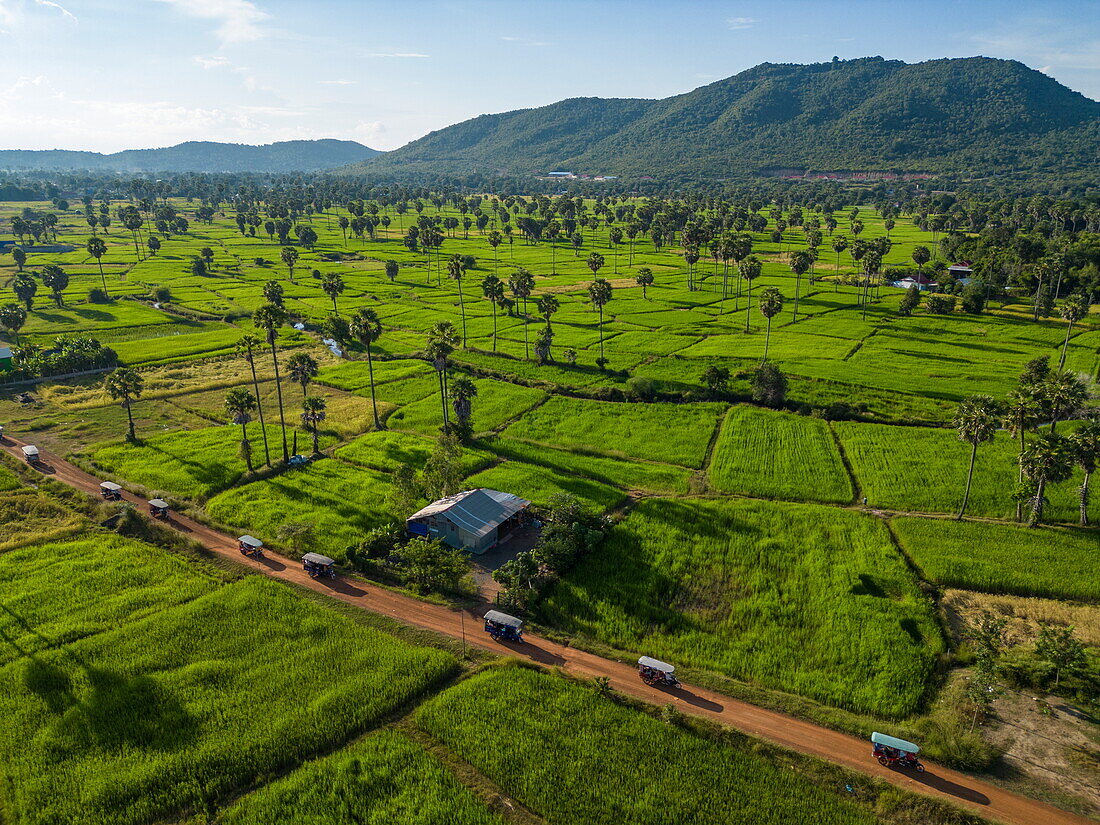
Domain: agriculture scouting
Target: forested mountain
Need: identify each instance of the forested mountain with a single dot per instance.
(969, 116)
(199, 156)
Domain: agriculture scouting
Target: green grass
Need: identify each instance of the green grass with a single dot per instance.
(180, 709)
(497, 402)
(355, 375)
(629, 475)
(388, 450)
(923, 469)
(1058, 563)
(384, 779)
(778, 455)
(190, 464)
(539, 484)
(56, 593)
(576, 758)
(802, 598)
(340, 502)
(622, 430)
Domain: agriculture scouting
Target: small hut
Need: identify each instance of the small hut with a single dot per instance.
(474, 520)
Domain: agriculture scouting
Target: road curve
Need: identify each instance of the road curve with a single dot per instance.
(796, 734)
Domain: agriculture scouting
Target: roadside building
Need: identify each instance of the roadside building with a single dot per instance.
(474, 520)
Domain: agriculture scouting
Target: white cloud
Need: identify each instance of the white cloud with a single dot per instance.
(213, 62)
(238, 21)
(52, 5)
(336, 82)
(1045, 69)
(741, 22)
(397, 54)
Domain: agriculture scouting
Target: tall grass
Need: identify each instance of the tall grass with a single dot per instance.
(384, 779)
(176, 711)
(802, 598)
(53, 594)
(778, 455)
(577, 758)
(1058, 562)
(540, 484)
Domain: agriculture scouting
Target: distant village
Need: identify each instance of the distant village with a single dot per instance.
(574, 176)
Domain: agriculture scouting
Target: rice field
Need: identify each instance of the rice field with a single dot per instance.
(923, 469)
(339, 501)
(796, 597)
(58, 592)
(778, 455)
(175, 711)
(384, 778)
(583, 759)
(497, 403)
(1056, 562)
(540, 484)
(622, 430)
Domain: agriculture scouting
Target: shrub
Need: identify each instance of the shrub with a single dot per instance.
(769, 385)
(97, 295)
(162, 295)
(941, 304)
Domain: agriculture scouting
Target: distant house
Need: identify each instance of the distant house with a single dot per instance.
(922, 282)
(960, 271)
(559, 174)
(474, 520)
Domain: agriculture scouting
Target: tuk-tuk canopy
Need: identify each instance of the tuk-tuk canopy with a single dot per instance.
(251, 541)
(894, 742)
(317, 558)
(158, 502)
(110, 485)
(496, 617)
(30, 451)
(656, 664)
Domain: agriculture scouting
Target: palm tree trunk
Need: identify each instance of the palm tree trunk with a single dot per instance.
(247, 451)
(767, 341)
(462, 308)
(797, 289)
(259, 409)
(443, 399)
(1065, 346)
(313, 431)
(526, 351)
(748, 309)
(373, 400)
(1083, 495)
(969, 479)
(279, 395)
(494, 326)
(601, 332)
(130, 419)
(1037, 503)
(102, 277)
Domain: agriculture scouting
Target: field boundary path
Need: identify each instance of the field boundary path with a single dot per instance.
(787, 731)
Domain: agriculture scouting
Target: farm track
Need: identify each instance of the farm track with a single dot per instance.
(787, 731)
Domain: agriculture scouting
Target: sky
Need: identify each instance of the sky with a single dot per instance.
(107, 75)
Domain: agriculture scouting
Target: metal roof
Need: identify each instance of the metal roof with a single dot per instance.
(251, 541)
(656, 664)
(475, 511)
(894, 742)
(5, 352)
(497, 617)
(317, 558)
(30, 449)
(158, 502)
(110, 485)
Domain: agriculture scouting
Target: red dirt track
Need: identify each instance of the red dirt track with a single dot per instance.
(789, 732)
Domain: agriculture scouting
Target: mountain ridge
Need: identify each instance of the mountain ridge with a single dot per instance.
(197, 156)
(951, 115)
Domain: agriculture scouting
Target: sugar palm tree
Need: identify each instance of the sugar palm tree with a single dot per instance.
(463, 391)
(455, 271)
(1022, 414)
(442, 341)
(125, 386)
(521, 284)
(750, 270)
(799, 263)
(366, 328)
(1086, 452)
(302, 368)
(1047, 460)
(1073, 310)
(547, 305)
(840, 243)
(1064, 394)
(771, 304)
(493, 290)
(644, 279)
(290, 257)
(270, 318)
(495, 239)
(247, 346)
(976, 421)
(12, 318)
(273, 293)
(56, 280)
(599, 293)
(313, 413)
(240, 404)
(333, 285)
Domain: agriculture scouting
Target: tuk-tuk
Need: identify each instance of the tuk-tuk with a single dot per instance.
(892, 752)
(318, 566)
(250, 546)
(502, 626)
(110, 491)
(158, 508)
(30, 453)
(656, 673)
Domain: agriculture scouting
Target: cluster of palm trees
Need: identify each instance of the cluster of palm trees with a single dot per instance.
(1043, 397)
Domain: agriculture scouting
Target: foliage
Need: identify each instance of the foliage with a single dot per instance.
(769, 385)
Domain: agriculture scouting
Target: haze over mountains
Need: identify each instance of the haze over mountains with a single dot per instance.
(198, 156)
(967, 116)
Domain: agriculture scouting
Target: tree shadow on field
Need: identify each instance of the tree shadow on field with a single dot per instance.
(867, 586)
(93, 314)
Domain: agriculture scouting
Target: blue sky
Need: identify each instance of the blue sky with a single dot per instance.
(115, 74)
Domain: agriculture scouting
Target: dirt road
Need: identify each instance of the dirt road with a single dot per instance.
(796, 734)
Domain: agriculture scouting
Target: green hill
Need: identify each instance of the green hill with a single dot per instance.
(198, 156)
(963, 116)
